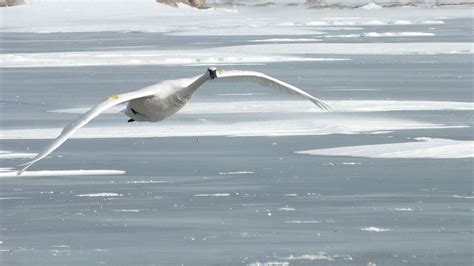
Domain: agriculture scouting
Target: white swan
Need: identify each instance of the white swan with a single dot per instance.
(158, 101)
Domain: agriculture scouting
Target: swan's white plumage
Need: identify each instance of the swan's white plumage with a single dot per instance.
(163, 99)
(268, 81)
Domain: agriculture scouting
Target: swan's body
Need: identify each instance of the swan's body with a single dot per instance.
(167, 98)
(157, 102)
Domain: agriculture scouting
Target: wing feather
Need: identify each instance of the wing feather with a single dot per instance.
(267, 81)
(85, 118)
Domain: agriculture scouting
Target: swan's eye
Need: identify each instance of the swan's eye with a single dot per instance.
(114, 97)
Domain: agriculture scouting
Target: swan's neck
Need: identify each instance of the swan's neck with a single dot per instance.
(198, 82)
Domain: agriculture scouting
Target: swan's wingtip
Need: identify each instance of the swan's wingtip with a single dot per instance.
(22, 167)
(19, 172)
(323, 106)
(327, 108)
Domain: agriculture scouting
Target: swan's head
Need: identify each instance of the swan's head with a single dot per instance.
(212, 72)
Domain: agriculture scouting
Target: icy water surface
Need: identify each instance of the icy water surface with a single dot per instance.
(221, 183)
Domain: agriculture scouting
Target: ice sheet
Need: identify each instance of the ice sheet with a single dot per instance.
(433, 148)
(301, 106)
(152, 57)
(244, 30)
(252, 53)
(355, 48)
(61, 173)
(288, 127)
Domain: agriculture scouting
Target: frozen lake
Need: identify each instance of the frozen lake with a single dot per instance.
(244, 175)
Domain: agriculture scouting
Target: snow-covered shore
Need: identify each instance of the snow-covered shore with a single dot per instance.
(148, 16)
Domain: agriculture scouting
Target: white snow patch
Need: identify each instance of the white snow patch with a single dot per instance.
(351, 163)
(147, 182)
(61, 246)
(213, 195)
(376, 22)
(343, 36)
(13, 198)
(13, 155)
(303, 222)
(371, 6)
(290, 195)
(270, 263)
(128, 210)
(236, 173)
(375, 229)
(401, 22)
(397, 34)
(320, 256)
(463, 197)
(55, 252)
(333, 24)
(45, 173)
(287, 209)
(436, 22)
(287, 40)
(102, 194)
(424, 148)
(404, 209)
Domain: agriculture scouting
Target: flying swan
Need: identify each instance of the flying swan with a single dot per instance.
(158, 101)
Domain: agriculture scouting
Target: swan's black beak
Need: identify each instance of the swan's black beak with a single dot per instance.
(212, 72)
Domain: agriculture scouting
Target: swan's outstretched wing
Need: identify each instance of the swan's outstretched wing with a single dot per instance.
(267, 81)
(84, 119)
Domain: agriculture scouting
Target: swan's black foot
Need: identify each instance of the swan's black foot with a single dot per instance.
(131, 120)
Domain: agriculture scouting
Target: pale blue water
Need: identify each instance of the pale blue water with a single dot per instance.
(280, 207)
